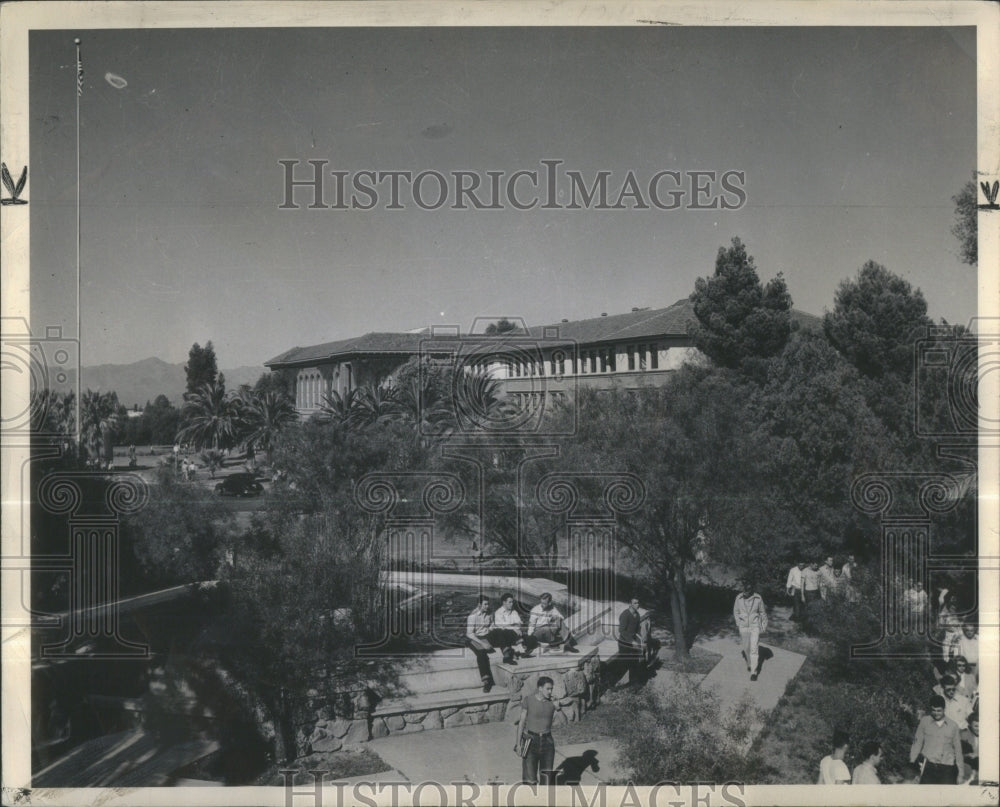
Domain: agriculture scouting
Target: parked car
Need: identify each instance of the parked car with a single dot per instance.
(241, 484)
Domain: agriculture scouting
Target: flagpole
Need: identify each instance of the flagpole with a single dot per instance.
(79, 371)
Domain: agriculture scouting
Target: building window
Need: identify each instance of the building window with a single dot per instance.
(642, 357)
(654, 357)
(611, 360)
(631, 357)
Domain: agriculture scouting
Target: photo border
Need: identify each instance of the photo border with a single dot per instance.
(17, 19)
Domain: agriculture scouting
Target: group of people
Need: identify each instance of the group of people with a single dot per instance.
(947, 740)
(809, 582)
(487, 630)
(833, 768)
(941, 753)
(945, 746)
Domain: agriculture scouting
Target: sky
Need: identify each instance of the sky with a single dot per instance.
(852, 140)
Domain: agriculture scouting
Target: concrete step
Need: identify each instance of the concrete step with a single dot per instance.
(441, 680)
(553, 661)
(439, 700)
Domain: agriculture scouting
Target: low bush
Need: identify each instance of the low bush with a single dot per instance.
(682, 734)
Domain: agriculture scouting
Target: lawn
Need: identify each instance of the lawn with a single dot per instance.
(874, 701)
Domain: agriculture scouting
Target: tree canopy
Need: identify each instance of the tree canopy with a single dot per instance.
(876, 318)
(738, 317)
(966, 226)
(201, 367)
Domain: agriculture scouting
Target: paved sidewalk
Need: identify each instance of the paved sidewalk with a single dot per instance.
(483, 754)
(730, 679)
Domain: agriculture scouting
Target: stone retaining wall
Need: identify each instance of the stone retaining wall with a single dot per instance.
(576, 686)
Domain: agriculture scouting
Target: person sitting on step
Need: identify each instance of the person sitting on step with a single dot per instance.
(548, 626)
(508, 620)
(482, 637)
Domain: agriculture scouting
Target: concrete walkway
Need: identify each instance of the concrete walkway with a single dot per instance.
(483, 754)
(730, 679)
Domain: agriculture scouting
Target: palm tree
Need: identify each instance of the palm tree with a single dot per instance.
(53, 412)
(373, 404)
(337, 408)
(100, 418)
(427, 407)
(212, 418)
(265, 414)
(479, 402)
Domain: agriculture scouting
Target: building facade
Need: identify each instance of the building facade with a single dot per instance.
(627, 351)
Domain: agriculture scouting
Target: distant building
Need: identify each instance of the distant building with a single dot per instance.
(629, 351)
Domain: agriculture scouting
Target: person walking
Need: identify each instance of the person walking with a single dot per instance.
(966, 645)
(832, 768)
(937, 744)
(867, 772)
(848, 579)
(534, 734)
(810, 586)
(916, 607)
(794, 589)
(630, 645)
(949, 625)
(751, 621)
(957, 707)
(967, 684)
(827, 583)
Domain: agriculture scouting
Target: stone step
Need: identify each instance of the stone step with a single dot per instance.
(441, 680)
(440, 700)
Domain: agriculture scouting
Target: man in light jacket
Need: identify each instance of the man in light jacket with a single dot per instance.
(751, 620)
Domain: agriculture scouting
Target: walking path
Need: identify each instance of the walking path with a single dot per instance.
(484, 753)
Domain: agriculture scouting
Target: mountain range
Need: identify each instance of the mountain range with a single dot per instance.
(143, 380)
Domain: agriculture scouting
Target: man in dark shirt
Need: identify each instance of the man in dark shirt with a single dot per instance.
(630, 644)
(535, 729)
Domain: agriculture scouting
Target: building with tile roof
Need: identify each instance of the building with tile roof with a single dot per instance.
(631, 350)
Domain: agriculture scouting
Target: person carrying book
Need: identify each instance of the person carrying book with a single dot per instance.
(534, 741)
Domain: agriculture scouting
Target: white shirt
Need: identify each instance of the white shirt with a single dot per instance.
(794, 578)
(958, 709)
(964, 646)
(540, 618)
(865, 774)
(833, 771)
(507, 619)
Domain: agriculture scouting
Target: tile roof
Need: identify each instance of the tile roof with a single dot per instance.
(641, 324)
(375, 342)
(644, 323)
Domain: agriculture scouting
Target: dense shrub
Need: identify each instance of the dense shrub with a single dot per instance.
(180, 535)
(682, 734)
